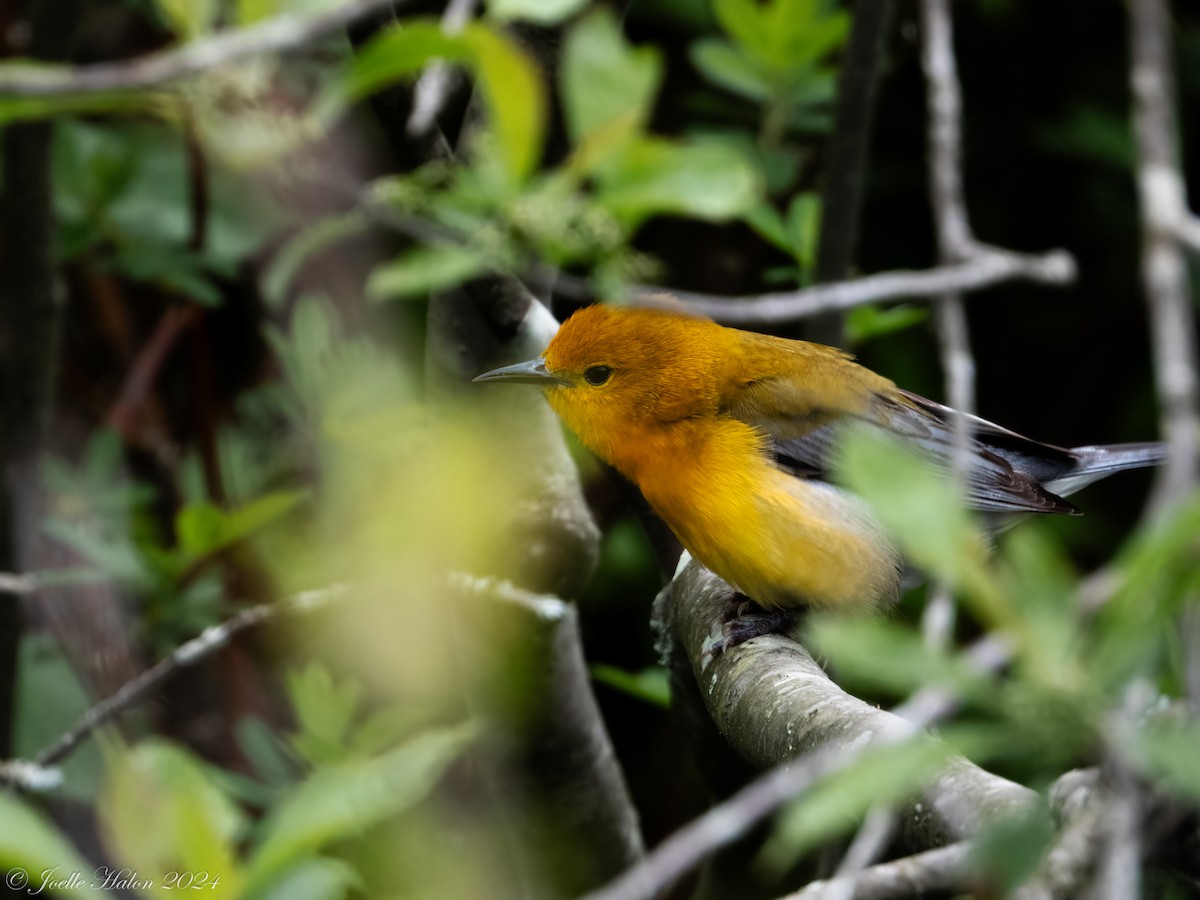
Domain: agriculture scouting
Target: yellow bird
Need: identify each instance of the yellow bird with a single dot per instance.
(731, 435)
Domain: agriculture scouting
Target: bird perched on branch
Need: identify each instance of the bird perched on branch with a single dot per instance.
(731, 437)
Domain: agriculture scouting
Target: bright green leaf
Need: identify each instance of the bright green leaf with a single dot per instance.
(30, 845)
(866, 322)
(340, 801)
(766, 220)
(705, 181)
(161, 812)
(509, 82)
(604, 80)
(726, 66)
(424, 269)
(652, 685)
(190, 19)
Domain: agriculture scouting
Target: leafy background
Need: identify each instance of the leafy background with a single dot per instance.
(296, 435)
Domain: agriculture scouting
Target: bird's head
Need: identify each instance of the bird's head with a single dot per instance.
(610, 369)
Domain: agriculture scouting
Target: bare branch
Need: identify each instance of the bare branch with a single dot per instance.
(1164, 274)
(17, 584)
(932, 872)
(1189, 231)
(986, 268)
(781, 713)
(275, 35)
(208, 642)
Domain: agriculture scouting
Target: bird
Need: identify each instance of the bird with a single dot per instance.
(731, 436)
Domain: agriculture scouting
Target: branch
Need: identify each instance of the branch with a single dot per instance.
(20, 585)
(134, 691)
(275, 35)
(1165, 216)
(778, 709)
(434, 85)
(944, 870)
(986, 267)
(554, 767)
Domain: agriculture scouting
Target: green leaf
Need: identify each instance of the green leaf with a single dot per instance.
(704, 181)
(804, 228)
(203, 529)
(310, 879)
(1010, 850)
(302, 248)
(251, 11)
(190, 19)
(324, 709)
(341, 801)
(509, 82)
(30, 847)
(652, 685)
(543, 12)
(768, 223)
(866, 322)
(423, 270)
(1165, 750)
(731, 69)
(834, 805)
(887, 656)
(162, 813)
(605, 82)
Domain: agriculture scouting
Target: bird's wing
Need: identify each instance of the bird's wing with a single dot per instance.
(1007, 469)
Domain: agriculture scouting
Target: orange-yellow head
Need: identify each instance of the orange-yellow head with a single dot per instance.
(611, 373)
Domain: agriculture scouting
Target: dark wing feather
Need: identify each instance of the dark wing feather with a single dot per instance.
(1007, 472)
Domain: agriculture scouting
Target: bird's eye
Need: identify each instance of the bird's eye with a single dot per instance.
(597, 375)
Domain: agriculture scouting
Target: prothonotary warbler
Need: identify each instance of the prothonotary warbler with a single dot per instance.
(730, 435)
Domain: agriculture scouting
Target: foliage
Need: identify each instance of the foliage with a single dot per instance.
(344, 458)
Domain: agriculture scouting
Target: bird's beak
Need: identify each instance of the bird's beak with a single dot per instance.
(533, 371)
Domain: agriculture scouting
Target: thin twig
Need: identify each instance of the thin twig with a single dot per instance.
(17, 584)
(1165, 218)
(186, 654)
(434, 85)
(986, 268)
(275, 35)
(955, 244)
(943, 870)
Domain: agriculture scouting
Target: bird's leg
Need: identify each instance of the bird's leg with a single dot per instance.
(745, 620)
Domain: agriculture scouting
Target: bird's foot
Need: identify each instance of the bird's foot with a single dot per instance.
(747, 620)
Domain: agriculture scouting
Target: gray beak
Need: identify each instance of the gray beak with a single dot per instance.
(533, 371)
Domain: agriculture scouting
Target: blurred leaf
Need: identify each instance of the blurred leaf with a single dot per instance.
(1165, 750)
(655, 176)
(726, 66)
(888, 656)
(766, 220)
(49, 701)
(190, 19)
(604, 80)
(251, 11)
(161, 813)
(880, 776)
(1090, 132)
(509, 82)
(338, 802)
(203, 529)
(423, 270)
(652, 685)
(325, 710)
(266, 751)
(1010, 850)
(804, 228)
(302, 248)
(543, 12)
(320, 878)
(866, 322)
(30, 844)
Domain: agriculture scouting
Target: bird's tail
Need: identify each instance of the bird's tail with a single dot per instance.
(1094, 463)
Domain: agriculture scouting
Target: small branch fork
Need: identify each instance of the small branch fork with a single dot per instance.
(41, 774)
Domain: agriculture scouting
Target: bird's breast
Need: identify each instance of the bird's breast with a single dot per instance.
(781, 540)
